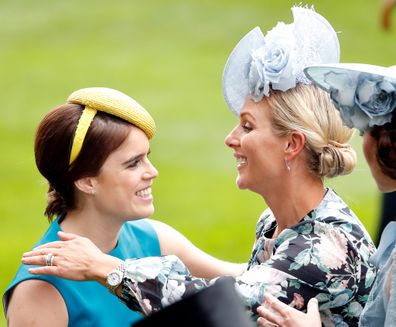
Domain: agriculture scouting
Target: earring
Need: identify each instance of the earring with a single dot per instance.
(287, 165)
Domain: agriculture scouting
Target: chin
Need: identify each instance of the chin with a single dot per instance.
(385, 184)
(145, 213)
(241, 185)
(387, 188)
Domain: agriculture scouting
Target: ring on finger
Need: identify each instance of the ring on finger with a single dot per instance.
(49, 259)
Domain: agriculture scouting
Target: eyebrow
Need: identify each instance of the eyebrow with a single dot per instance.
(138, 156)
(243, 114)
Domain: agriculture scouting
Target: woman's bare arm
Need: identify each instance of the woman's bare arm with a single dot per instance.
(199, 263)
(36, 303)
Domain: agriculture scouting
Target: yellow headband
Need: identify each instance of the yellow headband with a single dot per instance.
(109, 101)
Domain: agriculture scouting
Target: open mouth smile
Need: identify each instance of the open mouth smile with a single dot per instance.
(145, 193)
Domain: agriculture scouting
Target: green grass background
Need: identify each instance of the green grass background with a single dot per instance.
(169, 55)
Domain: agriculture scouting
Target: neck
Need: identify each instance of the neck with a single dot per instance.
(294, 200)
(100, 229)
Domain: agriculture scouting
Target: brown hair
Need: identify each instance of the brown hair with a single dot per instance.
(385, 137)
(52, 147)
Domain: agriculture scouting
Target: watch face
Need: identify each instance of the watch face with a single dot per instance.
(114, 278)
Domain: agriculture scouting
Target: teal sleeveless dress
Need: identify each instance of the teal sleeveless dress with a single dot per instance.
(89, 303)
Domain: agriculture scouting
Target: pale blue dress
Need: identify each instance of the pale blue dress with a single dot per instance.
(380, 309)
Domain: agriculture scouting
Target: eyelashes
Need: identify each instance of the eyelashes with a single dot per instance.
(247, 127)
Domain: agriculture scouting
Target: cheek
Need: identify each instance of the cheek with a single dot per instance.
(249, 143)
(130, 181)
(370, 151)
(366, 149)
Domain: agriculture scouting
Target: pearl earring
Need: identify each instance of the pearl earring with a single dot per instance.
(287, 165)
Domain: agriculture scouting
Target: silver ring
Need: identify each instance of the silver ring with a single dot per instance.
(49, 259)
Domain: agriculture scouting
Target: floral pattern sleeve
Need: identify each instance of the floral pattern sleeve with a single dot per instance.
(155, 282)
(324, 256)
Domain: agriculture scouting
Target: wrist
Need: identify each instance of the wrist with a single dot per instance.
(104, 267)
(115, 278)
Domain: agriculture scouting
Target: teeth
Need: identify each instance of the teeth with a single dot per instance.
(144, 193)
(241, 161)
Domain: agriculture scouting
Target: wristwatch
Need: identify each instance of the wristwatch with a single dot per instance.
(115, 277)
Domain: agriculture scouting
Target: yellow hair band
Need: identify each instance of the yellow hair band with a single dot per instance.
(109, 101)
(84, 122)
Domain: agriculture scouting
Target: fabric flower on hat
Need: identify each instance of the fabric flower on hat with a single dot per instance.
(273, 65)
(363, 100)
(259, 64)
(375, 96)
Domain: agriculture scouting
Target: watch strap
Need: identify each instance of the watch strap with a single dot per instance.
(120, 270)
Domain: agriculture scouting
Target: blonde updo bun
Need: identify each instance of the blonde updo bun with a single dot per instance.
(308, 109)
(335, 161)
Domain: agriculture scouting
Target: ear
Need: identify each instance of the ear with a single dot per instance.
(86, 185)
(294, 145)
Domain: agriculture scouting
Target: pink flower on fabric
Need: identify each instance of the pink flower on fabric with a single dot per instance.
(332, 249)
(266, 252)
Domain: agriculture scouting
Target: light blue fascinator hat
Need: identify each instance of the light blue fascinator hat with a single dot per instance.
(259, 64)
(364, 94)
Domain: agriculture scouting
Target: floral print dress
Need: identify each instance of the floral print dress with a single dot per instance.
(326, 255)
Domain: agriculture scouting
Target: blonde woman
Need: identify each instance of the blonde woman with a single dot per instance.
(366, 98)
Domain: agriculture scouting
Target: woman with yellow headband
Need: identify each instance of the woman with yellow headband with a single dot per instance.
(93, 151)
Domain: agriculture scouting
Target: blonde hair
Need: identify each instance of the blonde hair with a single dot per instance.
(309, 110)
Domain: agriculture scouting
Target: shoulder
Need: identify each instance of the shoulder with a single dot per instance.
(162, 228)
(140, 228)
(386, 247)
(139, 238)
(332, 206)
(335, 212)
(327, 237)
(170, 239)
(22, 275)
(36, 302)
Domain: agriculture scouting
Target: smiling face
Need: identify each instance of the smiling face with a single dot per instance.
(258, 150)
(123, 186)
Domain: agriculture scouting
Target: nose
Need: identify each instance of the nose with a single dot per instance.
(151, 171)
(232, 139)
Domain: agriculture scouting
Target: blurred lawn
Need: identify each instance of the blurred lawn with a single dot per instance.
(169, 55)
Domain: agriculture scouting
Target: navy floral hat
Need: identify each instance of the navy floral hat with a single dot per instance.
(259, 64)
(364, 94)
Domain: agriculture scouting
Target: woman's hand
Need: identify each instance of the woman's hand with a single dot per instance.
(74, 257)
(275, 313)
